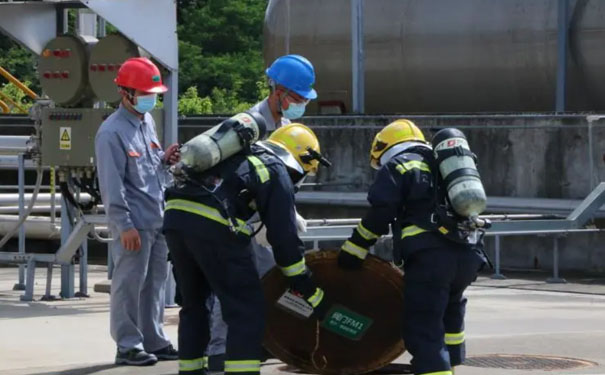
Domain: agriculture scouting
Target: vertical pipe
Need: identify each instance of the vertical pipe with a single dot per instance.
(555, 261)
(49, 278)
(53, 214)
(171, 109)
(102, 27)
(357, 56)
(21, 179)
(67, 271)
(497, 275)
(591, 183)
(31, 277)
(562, 46)
(83, 270)
(86, 22)
(555, 279)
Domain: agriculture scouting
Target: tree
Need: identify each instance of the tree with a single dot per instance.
(220, 55)
(220, 46)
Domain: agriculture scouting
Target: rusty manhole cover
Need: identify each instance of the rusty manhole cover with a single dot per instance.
(525, 362)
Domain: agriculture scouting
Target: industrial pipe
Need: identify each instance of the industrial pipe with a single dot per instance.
(9, 199)
(10, 162)
(37, 227)
(14, 144)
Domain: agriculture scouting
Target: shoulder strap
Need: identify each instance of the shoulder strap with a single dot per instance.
(260, 168)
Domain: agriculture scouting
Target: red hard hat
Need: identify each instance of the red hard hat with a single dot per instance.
(141, 74)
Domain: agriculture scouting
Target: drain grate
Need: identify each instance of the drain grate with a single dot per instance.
(525, 362)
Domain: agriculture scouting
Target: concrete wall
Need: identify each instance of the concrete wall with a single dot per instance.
(519, 156)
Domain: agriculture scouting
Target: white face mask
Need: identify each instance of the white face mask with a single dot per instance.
(294, 111)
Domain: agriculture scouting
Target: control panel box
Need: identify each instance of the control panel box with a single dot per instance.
(68, 135)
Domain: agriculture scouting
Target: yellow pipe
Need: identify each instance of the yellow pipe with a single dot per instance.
(4, 107)
(17, 83)
(11, 101)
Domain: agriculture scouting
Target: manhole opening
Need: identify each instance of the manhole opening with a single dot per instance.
(526, 362)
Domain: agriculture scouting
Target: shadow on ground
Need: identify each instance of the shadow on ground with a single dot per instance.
(79, 371)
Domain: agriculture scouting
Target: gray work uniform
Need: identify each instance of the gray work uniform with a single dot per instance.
(132, 178)
(263, 256)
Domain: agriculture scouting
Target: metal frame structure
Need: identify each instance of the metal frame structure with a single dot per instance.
(505, 225)
(33, 24)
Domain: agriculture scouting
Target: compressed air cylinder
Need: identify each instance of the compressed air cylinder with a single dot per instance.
(459, 172)
(222, 141)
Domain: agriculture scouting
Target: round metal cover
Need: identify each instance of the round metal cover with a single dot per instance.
(525, 362)
(375, 291)
(105, 59)
(62, 69)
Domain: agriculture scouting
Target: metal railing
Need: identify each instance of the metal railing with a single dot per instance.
(503, 225)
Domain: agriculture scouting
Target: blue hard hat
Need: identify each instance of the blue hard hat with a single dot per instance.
(295, 73)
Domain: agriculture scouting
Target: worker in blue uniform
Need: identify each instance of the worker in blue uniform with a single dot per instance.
(439, 261)
(132, 169)
(209, 241)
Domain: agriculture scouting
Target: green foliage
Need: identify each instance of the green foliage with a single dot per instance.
(17, 96)
(19, 62)
(220, 55)
(220, 46)
(190, 103)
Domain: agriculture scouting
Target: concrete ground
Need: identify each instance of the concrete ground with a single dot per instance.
(521, 315)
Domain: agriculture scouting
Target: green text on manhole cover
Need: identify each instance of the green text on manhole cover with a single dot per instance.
(347, 323)
(526, 362)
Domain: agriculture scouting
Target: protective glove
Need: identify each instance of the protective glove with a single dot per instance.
(301, 223)
(304, 286)
(348, 261)
(261, 236)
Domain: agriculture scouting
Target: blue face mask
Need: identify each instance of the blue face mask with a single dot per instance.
(294, 111)
(145, 103)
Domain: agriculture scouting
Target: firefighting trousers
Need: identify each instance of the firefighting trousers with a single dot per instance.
(218, 263)
(433, 321)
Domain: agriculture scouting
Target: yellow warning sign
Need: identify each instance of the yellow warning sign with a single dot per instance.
(65, 138)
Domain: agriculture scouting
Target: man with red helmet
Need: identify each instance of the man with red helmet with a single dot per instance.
(131, 167)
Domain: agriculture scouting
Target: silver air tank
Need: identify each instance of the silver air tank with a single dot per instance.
(458, 173)
(220, 142)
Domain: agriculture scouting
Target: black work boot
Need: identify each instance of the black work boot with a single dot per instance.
(168, 353)
(135, 357)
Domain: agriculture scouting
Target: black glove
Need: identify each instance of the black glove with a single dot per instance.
(349, 261)
(305, 286)
(322, 309)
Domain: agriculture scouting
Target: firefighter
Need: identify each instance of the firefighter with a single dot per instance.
(291, 79)
(209, 241)
(439, 261)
